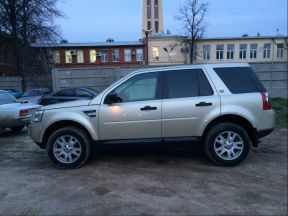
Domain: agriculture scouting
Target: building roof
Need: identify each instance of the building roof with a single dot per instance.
(166, 36)
(92, 44)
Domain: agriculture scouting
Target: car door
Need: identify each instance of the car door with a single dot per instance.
(188, 101)
(138, 116)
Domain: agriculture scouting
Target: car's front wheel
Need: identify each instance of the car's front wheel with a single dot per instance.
(227, 144)
(69, 147)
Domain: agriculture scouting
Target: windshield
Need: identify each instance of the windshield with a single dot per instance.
(6, 98)
(32, 93)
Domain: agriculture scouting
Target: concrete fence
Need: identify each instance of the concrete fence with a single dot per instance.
(273, 76)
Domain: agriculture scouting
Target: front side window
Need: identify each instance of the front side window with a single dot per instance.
(219, 52)
(139, 55)
(80, 56)
(243, 51)
(230, 51)
(104, 56)
(116, 55)
(56, 57)
(93, 56)
(127, 55)
(280, 50)
(68, 57)
(155, 53)
(206, 52)
(267, 51)
(253, 51)
(138, 88)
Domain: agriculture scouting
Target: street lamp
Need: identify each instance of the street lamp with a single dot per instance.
(147, 32)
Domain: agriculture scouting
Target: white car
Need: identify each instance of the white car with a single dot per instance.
(13, 114)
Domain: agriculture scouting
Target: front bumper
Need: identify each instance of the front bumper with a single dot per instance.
(36, 133)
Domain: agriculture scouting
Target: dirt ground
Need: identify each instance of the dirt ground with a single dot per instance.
(162, 182)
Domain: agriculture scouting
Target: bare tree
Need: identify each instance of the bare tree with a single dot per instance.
(28, 21)
(192, 14)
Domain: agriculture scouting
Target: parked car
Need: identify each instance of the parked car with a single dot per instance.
(14, 92)
(14, 115)
(223, 106)
(69, 94)
(34, 96)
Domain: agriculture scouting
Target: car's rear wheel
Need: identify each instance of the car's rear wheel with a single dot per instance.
(17, 129)
(69, 147)
(227, 144)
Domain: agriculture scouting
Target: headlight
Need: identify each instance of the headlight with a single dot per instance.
(37, 116)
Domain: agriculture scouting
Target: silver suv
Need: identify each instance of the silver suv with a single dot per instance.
(223, 106)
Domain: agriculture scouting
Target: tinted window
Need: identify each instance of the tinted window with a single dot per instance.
(6, 98)
(204, 85)
(66, 93)
(82, 93)
(240, 80)
(138, 88)
(181, 83)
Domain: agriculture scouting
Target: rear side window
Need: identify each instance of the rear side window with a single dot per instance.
(186, 83)
(240, 80)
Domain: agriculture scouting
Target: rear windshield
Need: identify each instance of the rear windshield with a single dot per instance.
(240, 80)
(6, 98)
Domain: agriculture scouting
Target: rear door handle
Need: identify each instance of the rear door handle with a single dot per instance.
(148, 108)
(202, 104)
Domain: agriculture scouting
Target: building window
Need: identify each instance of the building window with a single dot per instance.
(267, 51)
(157, 26)
(219, 52)
(127, 55)
(206, 52)
(139, 55)
(156, 2)
(93, 56)
(56, 57)
(104, 56)
(230, 51)
(149, 25)
(280, 50)
(68, 57)
(80, 56)
(155, 53)
(156, 10)
(149, 9)
(243, 51)
(253, 51)
(1, 55)
(116, 55)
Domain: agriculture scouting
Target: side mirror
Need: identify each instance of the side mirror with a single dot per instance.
(112, 98)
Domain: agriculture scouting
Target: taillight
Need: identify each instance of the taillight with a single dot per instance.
(23, 113)
(266, 101)
(41, 101)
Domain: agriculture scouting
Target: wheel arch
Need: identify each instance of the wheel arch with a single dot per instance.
(236, 119)
(60, 124)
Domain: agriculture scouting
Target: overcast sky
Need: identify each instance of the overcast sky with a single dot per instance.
(97, 20)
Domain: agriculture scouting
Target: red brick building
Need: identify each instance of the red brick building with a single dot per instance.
(107, 54)
(7, 59)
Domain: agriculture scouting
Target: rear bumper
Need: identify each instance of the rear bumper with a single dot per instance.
(263, 133)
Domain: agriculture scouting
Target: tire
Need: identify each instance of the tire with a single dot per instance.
(69, 148)
(17, 129)
(227, 144)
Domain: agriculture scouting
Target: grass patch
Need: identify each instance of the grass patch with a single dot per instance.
(280, 106)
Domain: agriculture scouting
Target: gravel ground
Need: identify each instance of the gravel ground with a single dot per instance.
(166, 182)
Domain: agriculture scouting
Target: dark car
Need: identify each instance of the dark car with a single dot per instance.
(14, 92)
(69, 94)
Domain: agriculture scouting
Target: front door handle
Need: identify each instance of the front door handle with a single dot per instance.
(148, 108)
(202, 104)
